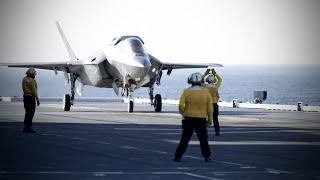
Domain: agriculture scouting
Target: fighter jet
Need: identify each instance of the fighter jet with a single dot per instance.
(123, 65)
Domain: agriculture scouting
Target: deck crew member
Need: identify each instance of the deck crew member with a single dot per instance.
(195, 106)
(30, 98)
(213, 84)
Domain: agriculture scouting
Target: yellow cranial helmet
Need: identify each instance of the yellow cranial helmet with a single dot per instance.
(211, 79)
(31, 71)
(195, 78)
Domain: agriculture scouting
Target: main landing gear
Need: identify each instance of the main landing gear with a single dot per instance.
(66, 102)
(156, 102)
(67, 99)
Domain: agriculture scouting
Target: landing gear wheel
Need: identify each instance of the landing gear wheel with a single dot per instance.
(157, 103)
(130, 106)
(66, 102)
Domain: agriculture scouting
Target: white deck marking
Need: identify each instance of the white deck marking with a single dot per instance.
(146, 129)
(255, 131)
(275, 171)
(194, 142)
(160, 152)
(76, 138)
(129, 147)
(229, 163)
(200, 176)
(248, 167)
(104, 173)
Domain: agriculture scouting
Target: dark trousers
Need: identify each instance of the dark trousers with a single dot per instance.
(30, 107)
(188, 126)
(215, 118)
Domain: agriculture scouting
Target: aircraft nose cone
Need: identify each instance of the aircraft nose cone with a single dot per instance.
(142, 61)
(141, 66)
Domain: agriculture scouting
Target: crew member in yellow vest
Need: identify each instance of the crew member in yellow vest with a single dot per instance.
(213, 84)
(30, 97)
(196, 107)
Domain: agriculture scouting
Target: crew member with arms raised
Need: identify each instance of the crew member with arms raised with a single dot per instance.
(214, 82)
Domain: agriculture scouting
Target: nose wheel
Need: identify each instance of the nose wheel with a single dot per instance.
(130, 98)
(130, 106)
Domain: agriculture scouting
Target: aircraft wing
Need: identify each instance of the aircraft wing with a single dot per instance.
(57, 66)
(171, 66)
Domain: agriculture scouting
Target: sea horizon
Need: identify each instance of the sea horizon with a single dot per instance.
(284, 83)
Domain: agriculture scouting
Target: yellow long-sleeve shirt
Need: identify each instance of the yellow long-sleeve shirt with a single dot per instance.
(196, 102)
(30, 87)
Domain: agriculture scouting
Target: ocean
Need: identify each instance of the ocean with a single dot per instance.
(285, 84)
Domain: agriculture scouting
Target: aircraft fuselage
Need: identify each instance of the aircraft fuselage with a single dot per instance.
(124, 62)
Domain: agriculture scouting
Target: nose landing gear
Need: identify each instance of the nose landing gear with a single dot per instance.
(127, 91)
(130, 103)
(130, 106)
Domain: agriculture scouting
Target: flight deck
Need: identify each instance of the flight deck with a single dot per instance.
(101, 140)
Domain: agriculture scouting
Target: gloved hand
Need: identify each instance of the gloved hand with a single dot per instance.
(207, 72)
(38, 103)
(213, 71)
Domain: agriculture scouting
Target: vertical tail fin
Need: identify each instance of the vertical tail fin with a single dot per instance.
(66, 43)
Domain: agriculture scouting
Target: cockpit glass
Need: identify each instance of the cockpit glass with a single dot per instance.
(136, 46)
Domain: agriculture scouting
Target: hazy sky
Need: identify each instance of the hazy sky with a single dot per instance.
(223, 31)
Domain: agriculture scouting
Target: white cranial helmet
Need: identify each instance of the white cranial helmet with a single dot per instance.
(31, 71)
(195, 78)
(211, 79)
